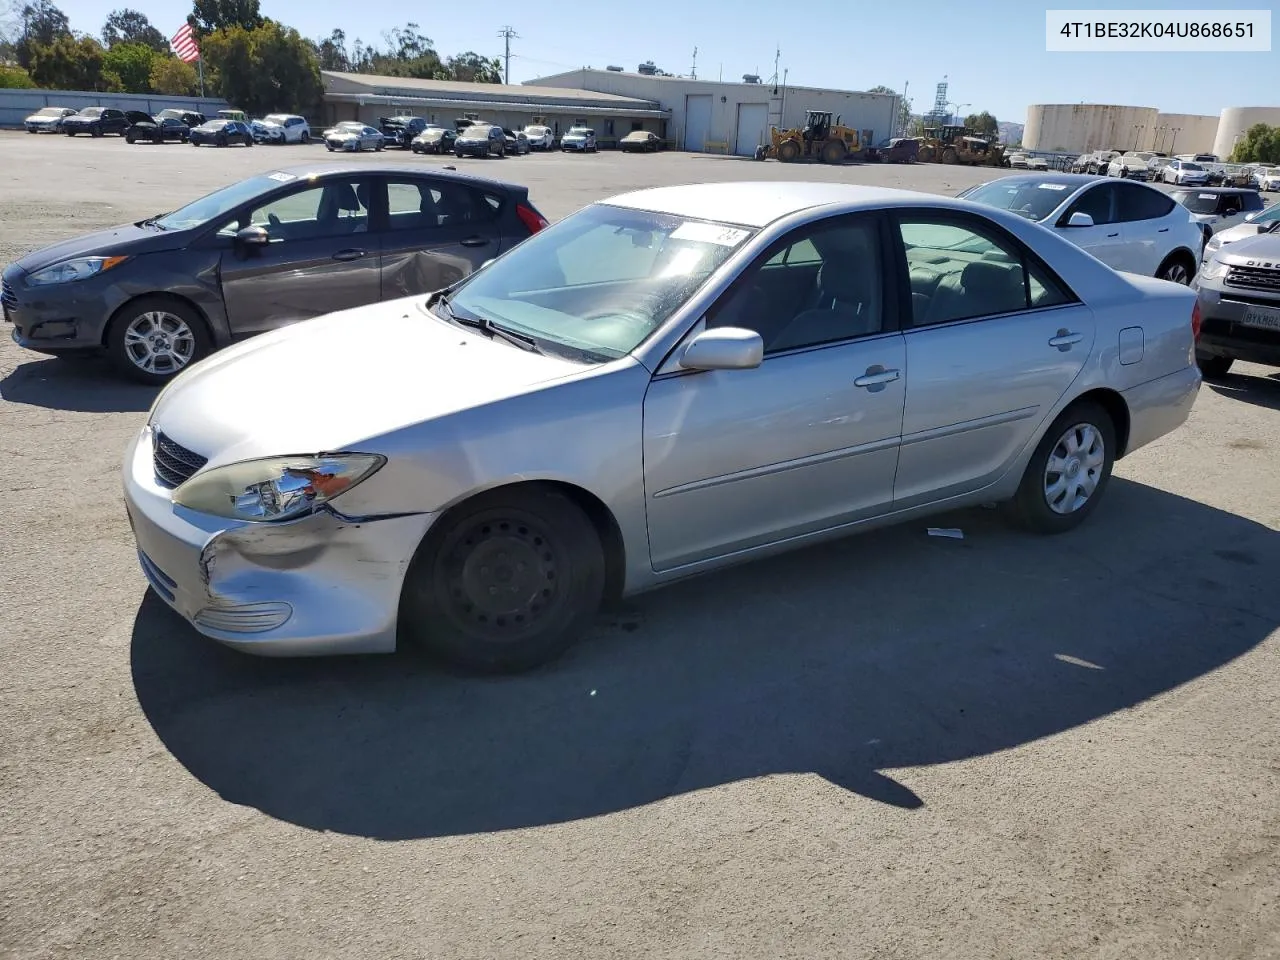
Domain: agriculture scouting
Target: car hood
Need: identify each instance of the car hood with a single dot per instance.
(127, 239)
(311, 387)
(1241, 231)
(77, 118)
(341, 135)
(34, 118)
(1265, 247)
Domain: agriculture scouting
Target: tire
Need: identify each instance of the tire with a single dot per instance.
(949, 155)
(70, 133)
(329, 147)
(788, 151)
(1030, 508)
(306, 137)
(129, 138)
(1176, 270)
(95, 131)
(556, 585)
(1213, 368)
(187, 339)
(833, 152)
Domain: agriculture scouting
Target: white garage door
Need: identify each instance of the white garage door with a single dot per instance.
(753, 120)
(697, 122)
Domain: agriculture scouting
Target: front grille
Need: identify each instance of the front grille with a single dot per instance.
(1253, 278)
(174, 463)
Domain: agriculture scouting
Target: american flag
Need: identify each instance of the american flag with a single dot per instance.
(184, 44)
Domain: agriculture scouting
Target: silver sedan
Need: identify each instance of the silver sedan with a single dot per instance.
(353, 137)
(662, 384)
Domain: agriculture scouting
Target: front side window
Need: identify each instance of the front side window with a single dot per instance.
(600, 281)
(960, 270)
(1098, 202)
(823, 286)
(336, 208)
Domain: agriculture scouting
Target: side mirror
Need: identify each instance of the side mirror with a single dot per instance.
(253, 236)
(723, 348)
(1079, 219)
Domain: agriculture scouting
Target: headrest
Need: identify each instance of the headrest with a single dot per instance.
(344, 196)
(989, 274)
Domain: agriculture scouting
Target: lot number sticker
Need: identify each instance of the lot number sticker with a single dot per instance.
(709, 233)
(282, 177)
(1053, 186)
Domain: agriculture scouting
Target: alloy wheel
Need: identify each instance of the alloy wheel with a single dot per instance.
(1177, 272)
(159, 342)
(1074, 468)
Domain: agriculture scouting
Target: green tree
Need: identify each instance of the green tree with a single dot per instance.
(473, 68)
(40, 24)
(15, 78)
(267, 69)
(904, 107)
(131, 63)
(172, 77)
(209, 16)
(409, 53)
(331, 52)
(1260, 144)
(983, 124)
(70, 63)
(130, 26)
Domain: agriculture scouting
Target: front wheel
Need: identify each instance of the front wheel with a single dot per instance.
(1068, 472)
(1214, 367)
(507, 582)
(153, 339)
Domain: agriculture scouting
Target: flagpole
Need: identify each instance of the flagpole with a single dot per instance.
(201, 67)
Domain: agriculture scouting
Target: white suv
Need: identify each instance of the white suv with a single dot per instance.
(1184, 173)
(1127, 225)
(295, 128)
(540, 137)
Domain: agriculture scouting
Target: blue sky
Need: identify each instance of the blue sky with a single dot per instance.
(993, 51)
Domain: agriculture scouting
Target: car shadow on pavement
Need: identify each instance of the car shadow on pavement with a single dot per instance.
(848, 660)
(84, 384)
(1260, 391)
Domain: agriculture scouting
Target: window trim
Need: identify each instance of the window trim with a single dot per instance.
(963, 219)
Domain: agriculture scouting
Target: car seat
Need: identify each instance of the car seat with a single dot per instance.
(984, 288)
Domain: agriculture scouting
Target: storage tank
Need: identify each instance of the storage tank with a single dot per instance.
(1235, 121)
(1184, 133)
(1081, 127)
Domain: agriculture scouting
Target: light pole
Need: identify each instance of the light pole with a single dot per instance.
(1174, 140)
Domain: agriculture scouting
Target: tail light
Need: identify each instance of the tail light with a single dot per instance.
(530, 217)
(1195, 321)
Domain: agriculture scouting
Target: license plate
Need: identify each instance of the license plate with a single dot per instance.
(1262, 317)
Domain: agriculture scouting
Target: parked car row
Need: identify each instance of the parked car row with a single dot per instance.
(135, 126)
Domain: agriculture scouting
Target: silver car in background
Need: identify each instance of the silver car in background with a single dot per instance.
(659, 385)
(353, 137)
(47, 120)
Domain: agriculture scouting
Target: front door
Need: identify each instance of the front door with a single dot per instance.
(437, 232)
(991, 348)
(735, 459)
(1105, 239)
(321, 257)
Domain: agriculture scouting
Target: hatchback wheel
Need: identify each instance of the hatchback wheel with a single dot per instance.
(508, 582)
(1068, 472)
(155, 338)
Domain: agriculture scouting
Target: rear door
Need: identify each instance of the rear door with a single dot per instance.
(321, 256)
(436, 232)
(995, 340)
(1148, 228)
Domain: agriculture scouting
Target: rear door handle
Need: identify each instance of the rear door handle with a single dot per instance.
(475, 242)
(1065, 339)
(1113, 234)
(351, 254)
(1163, 230)
(875, 376)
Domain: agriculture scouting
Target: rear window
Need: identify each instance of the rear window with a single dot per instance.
(1197, 202)
(1251, 201)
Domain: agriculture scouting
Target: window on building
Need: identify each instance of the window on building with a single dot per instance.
(608, 128)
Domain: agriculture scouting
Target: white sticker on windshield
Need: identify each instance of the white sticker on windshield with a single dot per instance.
(1052, 186)
(282, 177)
(709, 233)
(1208, 196)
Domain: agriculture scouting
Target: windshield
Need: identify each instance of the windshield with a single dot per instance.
(1268, 215)
(92, 111)
(49, 112)
(600, 281)
(276, 118)
(1197, 202)
(1033, 199)
(1191, 166)
(220, 202)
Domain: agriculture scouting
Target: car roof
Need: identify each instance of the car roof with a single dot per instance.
(1075, 180)
(1220, 190)
(330, 168)
(759, 203)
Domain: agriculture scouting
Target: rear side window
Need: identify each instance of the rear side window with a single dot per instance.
(1252, 201)
(1142, 203)
(427, 205)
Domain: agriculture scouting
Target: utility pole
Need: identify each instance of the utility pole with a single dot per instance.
(693, 74)
(507, 34)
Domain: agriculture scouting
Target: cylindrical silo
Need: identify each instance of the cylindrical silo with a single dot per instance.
(1081, 127)
(1235, 121)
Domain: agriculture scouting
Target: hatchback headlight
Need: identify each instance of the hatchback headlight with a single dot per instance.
(275, 488)
(82, 268)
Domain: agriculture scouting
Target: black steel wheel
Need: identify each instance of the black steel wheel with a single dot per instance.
(507, 582)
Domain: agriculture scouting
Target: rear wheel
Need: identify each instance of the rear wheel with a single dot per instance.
(1176, 269)
(507, 582)
(1068, 472)
(153, 339)
(1214, 367)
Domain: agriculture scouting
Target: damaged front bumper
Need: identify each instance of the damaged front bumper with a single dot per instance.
(322, 584)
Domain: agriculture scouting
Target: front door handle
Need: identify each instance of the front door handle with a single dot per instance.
(475, 242)
(351, 254)
(876, 376)
(1109, 235)
(1065, 339)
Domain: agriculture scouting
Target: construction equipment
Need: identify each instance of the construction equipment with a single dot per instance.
(958, 144)
(820, 139)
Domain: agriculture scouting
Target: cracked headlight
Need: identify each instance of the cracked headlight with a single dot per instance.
(82, 268)
(275, 488)
(1212, 269)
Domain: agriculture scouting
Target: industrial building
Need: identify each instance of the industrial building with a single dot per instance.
(732, 118)
(365, 97)
(1082, 127)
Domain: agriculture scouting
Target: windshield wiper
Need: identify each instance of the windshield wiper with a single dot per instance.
(488, 327)
(153, 221)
